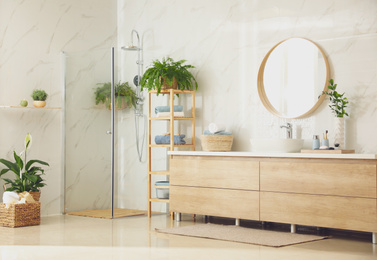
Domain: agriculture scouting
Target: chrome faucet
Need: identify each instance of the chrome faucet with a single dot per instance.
(289, 130)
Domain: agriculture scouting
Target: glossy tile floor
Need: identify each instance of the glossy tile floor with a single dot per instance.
(72, 237)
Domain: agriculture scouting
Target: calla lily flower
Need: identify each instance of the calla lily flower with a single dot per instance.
(28, 140)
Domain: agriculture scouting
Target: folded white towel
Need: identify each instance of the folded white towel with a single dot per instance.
(165, 114)
(214, 128)
(10, 197)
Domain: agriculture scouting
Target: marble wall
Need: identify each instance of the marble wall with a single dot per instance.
(227, 40)
(32, 36)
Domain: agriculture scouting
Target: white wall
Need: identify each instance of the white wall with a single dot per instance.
(32, 35)
(227, 40)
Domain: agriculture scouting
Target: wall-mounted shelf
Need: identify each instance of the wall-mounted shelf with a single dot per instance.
(171, 119)
(20, 107)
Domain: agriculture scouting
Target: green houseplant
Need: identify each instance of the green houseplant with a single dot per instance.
(28, 176)
(166, 74)
(39, 96)
(338, 103)
(125, 96)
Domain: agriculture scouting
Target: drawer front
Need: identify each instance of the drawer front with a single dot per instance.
(216, 172)
(329, 177)
(322, 211)
(215, 202)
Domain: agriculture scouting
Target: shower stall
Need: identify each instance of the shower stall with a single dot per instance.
(103, 176)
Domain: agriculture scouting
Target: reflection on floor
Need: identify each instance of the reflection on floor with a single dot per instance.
(72, 237)
(106, 213)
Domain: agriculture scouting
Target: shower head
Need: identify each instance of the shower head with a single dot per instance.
(130, 48)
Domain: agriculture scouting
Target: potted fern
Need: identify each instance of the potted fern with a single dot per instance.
(168, 74)
(338, 103)
(39, 96)
(125, 96)
(27, 175)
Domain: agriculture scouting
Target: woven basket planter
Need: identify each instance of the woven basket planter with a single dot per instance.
(20, 215)
(216, 143)
(35, 194)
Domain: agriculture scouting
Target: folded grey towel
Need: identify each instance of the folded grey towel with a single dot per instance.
(165, 139)
(159, 109)
(207, 132)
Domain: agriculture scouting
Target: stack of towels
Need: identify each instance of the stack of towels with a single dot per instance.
(216, 129)
(165, 139)
(164, 111)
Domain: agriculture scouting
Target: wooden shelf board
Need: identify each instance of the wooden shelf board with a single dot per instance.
(159, 200)
(328, 151)
(176, 91)
(159, 145)
(160, 172)
(168, 118)
(168, 145)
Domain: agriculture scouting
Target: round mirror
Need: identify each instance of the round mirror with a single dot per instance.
(292, 77)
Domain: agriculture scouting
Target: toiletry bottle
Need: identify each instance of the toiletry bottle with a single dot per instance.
(315, 142)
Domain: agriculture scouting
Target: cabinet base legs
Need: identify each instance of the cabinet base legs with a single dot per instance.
(237, 221)
(177, 216)
(293, 228)
(374, 238)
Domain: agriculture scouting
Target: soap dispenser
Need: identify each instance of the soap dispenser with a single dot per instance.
(316, 143)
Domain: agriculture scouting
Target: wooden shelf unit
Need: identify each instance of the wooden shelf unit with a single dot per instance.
(171, 146)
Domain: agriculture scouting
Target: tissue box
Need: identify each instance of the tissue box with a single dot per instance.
(20, 215)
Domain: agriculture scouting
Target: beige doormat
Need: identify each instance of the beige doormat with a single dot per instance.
(242, 235)
(106, 213)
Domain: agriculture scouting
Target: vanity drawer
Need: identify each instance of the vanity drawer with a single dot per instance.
(322, 211)
(215, 202)
(216, 172)
(331, 177)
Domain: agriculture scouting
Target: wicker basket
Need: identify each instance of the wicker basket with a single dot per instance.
(35, 194)
(20, 215)
(216, 143)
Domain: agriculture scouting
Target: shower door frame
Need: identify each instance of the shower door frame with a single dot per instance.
(111, 132)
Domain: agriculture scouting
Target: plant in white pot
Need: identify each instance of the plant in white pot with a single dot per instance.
(338, 104)
(39, 96)
(27, 174)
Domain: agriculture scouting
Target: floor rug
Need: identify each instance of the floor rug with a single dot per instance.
(106, 213)
(242, 234)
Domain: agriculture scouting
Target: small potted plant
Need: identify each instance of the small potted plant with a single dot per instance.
(338, 101)
(167, 74)
(125, 96)
(39, 96)
(28, 176)
(338, 104)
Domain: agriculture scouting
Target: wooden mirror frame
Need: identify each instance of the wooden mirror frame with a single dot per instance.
(262, 93)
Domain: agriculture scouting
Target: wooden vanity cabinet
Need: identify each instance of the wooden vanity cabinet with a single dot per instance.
(326, 193)
(217, 186)
(323, 192)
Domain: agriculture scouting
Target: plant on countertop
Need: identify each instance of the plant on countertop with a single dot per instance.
(338, 101)
(123, 92)
(164, 72)
(39, 95)
(28, 177)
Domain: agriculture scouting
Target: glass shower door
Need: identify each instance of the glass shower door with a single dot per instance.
(88, 140)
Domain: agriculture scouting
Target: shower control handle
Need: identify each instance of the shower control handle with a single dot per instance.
(108, 132)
